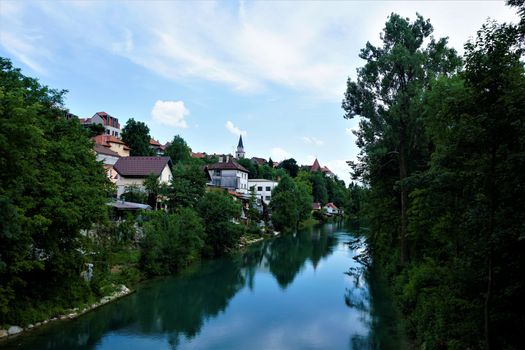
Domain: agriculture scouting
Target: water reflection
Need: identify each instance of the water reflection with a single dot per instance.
(174, 312)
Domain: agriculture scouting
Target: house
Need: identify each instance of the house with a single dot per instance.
(108, 159)
(157, 147)
(259, 161)
(331, 209)
(110, 123)
(263, 189)
(112, 143)
(134, 170)
(317, 167)
(198, 155)
(229, 174)
(316, 206)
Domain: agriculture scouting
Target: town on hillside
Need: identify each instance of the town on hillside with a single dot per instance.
(222, 171)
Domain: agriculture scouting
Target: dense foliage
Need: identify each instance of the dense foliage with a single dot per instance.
(178, 150)
(291, 203)
(171, 241)
(136, 135)
(442, 152)
(51, 187)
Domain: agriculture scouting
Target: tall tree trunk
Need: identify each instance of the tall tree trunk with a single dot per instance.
(403, 173)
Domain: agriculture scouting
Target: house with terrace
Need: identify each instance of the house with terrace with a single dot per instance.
(112, 143)
(110, 123)
(132, 171)
(229, 174)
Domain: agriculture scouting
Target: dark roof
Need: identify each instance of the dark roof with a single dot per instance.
(240, 145)
(122, 205)
(229, 165)
(105, 150)
(140, 166)
(259, 161)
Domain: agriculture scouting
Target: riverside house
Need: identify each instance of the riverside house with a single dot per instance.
(263, 189)
(134, 170)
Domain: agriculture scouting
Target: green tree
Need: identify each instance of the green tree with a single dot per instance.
(290, 204)
(171, 241)
(136, 135)
(178, 150)
(319, 192)
(218, 209)
(135, 194)
(51, 187)
(291, 167)
(386, 96)
(187, 186)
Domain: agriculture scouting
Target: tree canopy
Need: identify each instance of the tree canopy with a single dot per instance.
(136, 135)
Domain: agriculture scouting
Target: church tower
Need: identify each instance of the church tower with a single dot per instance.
(240, 149)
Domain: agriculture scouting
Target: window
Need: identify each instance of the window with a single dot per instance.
(217, 172)
(267, 198)
(268, 188)
(259, 188)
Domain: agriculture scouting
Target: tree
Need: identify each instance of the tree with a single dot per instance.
(136, 135)
(386, 96)
(51, 187)
(290, 204)
(270, 162)
(135, 194)
(291, 167)
(187, 186)
(218, 209)
(178, 150)
(171, 241)
(319, 192)
(252, 168)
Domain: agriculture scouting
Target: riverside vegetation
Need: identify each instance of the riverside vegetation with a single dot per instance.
(442, 141)
(54, 219)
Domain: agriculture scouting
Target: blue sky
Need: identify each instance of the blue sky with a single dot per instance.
(273, 71)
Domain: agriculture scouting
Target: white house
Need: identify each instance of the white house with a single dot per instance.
(110, 123)
(263, 189)
(331, 209)
(134, 170)
(229, 174)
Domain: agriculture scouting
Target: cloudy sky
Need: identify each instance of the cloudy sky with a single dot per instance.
(274, 72)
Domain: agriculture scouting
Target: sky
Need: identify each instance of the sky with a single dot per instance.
(210, 71)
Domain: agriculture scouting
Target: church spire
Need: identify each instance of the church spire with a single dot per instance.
(240, 149)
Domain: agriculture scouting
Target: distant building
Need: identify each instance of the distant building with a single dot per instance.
(263, 189)
(134, 170)
(113, 143)
(259, 161)
(229, 174)
(316, 206)
(157, 147)
(331, 209)
(110, 123)
(108, 159)
(240, 149)
(317, 167)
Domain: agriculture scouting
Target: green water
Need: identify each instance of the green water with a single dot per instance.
(302, 291)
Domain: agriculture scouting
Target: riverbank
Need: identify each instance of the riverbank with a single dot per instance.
(14, 330)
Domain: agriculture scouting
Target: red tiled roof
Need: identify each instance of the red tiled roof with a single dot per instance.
(141, 166)
(229, 165)
(325, 170)
(199, 155)
(105, 150)
(316, 206)
(331, 205)
(104, 140)
(315, 166)
(154, 142)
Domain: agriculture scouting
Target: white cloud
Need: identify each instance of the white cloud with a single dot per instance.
(170, 113)
(312, 141)
(279, 154)
(310, 48)
(235, 130)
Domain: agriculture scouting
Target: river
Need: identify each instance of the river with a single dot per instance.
(302, 291)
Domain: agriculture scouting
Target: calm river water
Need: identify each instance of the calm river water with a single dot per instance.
(302, 291)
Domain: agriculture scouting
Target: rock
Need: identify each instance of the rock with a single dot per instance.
(14, 330)
(38, 324)
(72, 315)
(3, 333)
(62, 317)
(30, 326)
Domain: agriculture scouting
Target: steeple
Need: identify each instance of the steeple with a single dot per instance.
(240, 149)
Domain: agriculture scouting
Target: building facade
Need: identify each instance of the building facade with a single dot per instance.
(263, 189)
(229, 174)
(134, 170)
